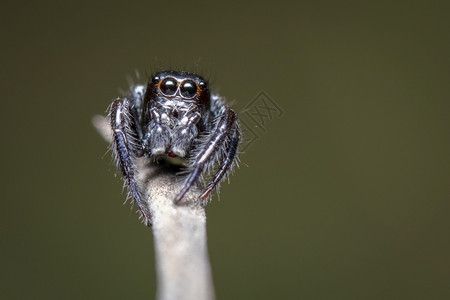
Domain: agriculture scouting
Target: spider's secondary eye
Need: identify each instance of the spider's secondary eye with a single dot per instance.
(203, 85)
(168, 86)
(188, 89)
(155, 79)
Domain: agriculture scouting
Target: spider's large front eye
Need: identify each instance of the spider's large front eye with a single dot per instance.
(169, 86)
(188, 89)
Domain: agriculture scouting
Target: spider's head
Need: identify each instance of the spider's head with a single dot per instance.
(182, 87)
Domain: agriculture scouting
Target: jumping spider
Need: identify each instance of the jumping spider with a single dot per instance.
(174, 116)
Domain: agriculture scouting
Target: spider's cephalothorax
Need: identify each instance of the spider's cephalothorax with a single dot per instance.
(174, 116)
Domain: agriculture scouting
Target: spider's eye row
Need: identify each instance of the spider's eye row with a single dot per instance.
(156, 79)
(169, 86)
(188, 89)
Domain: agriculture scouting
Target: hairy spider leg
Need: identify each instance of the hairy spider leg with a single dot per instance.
(208, 155)
(123, 136)
(225, 167)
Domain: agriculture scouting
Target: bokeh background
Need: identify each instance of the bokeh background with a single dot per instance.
(344, 196)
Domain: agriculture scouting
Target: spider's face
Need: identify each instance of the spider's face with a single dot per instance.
(180, 87)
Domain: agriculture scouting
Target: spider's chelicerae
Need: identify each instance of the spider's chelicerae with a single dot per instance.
(175, 115)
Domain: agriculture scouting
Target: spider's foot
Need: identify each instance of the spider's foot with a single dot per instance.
(147, 219)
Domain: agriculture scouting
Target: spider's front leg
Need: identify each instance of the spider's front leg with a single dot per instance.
(221, 146)
(227, 163)
(125, 148)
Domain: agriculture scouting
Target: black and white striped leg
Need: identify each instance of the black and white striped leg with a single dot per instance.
(124, 140)
(225, 128)
(227, 163)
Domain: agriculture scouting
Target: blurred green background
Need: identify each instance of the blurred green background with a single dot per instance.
(345, 196)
